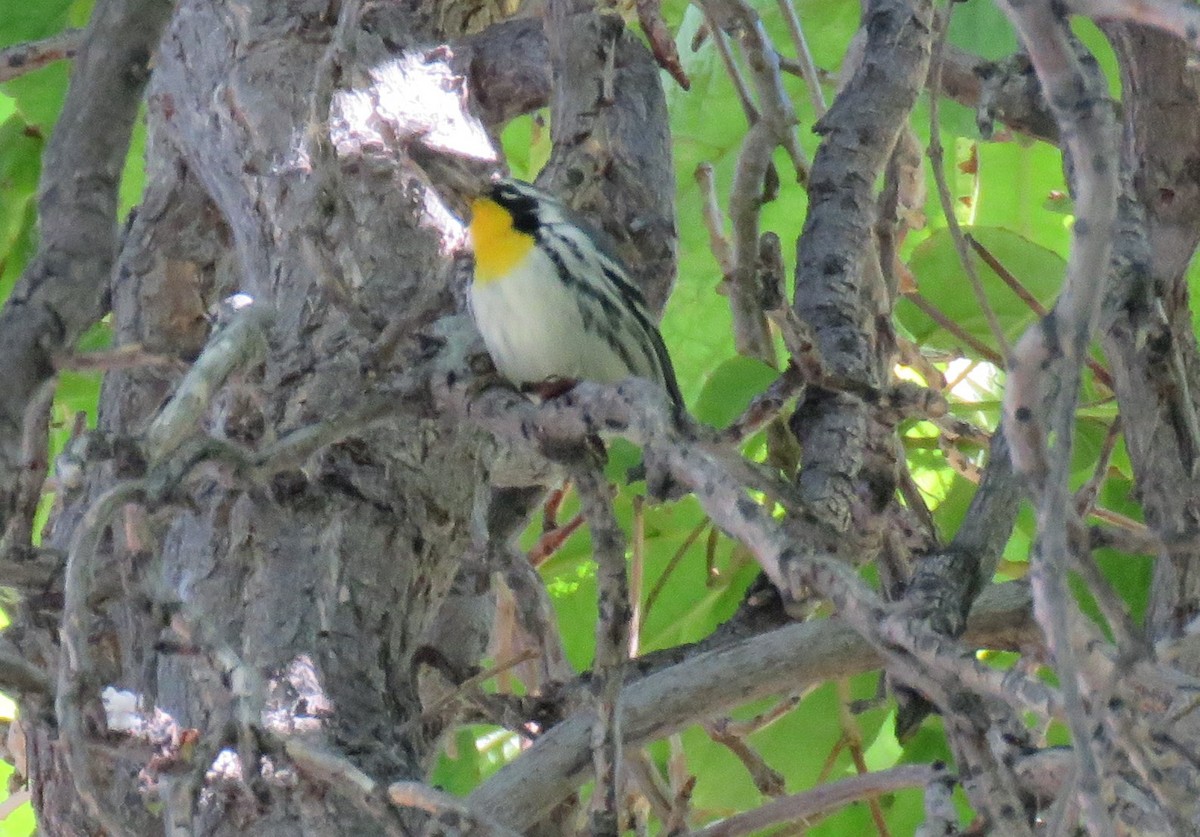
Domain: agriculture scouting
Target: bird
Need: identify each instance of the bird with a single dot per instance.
(554, 304)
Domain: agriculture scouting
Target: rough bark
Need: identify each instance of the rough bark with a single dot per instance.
(325, 580)
(1149, 336)
(284, 612)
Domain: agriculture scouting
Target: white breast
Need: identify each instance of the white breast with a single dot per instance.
(533, 329)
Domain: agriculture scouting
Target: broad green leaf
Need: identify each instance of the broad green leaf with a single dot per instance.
(1016, 180)
(22, 22)
(1130, 576)
(983, 29)
(942, 281)
(526, 144)
(459, 769)
(729, 389)
(39, 96)
(622, 457)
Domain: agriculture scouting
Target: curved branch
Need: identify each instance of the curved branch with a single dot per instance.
(787, 659)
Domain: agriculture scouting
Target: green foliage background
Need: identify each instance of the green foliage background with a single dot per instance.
(1012, 203)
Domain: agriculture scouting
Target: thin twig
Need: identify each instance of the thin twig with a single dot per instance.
(1014, 284)
(17, 537)
(979, 347)
(437, 803)
(649, 13)
(472, 683)
(714, 219)
(552, 541)
(775, 104)
(637, 576)
(661, 583)
(818, 802)
(612, 646)
(721, 42)
(765, 407)
(128, 356)
(751, 336)
(1031, 416)
(767, 780)
(75, 665)
(25, 58)
(854, 745)
(1085, 496)
(938, 164)
(808, 69)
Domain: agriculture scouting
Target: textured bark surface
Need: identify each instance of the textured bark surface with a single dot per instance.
(1150, 339)
(325, 580)
(297, 627)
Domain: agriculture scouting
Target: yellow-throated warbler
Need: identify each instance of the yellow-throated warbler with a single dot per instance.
(551, 302)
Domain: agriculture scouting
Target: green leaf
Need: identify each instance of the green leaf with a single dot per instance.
(943, 281)
(730, 388)
(526, 144)
(1016, 180)
(133, 176)
(20, 822)
(623, 456)
(20, 167)
(459, 769)
(983, 29)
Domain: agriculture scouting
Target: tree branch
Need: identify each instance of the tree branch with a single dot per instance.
(25, 58)
(1055, 348)
(713, 683)
(62, 290)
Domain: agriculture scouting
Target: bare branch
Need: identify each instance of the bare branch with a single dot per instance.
(650, 17)
(938, 162)
(838, 275)
(344, 778)
(75, 667)
(808, 70)
(417, 795)
(714, 219)
(721, 42)
(612, 646)
(60, 293)
(25, 58)
(18, 676)
(1180, 19)
(1073, 93)
(818, 802)
(941, 817)
(708, 684)
(242, 343)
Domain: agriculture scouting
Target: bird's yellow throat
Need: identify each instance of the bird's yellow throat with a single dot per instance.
(498, 246)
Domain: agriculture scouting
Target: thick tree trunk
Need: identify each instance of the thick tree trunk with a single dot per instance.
(325, 580)
(264, 609)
